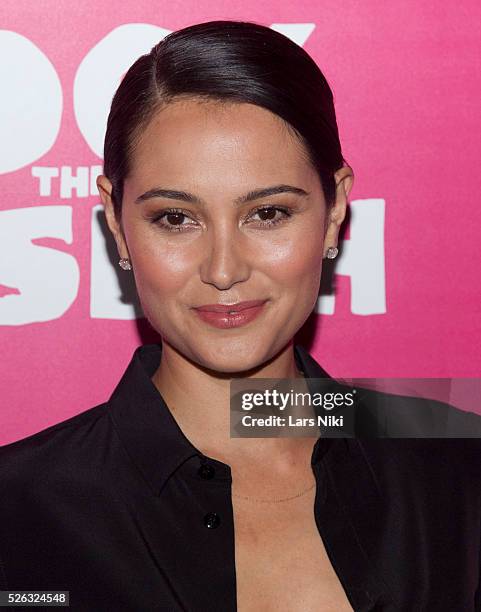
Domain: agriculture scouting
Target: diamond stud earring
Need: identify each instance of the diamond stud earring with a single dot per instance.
(125, 264)
(332, 252)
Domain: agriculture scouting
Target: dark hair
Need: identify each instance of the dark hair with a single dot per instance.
(236, 61)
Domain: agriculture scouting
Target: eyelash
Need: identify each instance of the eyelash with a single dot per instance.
(178, 228)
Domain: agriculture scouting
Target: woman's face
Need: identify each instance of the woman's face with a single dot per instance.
(215, 248)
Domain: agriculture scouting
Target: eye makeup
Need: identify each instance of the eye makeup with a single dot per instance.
(164, 218)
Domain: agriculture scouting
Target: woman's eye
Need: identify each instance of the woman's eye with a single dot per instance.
(173, 220)
(268, 215)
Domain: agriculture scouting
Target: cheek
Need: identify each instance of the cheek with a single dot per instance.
(295, 267)
(160, 269)
(296, 259)
(162, 273)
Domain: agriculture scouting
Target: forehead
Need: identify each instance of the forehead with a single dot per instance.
(206, 142)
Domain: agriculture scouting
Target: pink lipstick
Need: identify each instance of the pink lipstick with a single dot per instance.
(225, 316)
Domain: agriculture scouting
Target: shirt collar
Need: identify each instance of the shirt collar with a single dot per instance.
(151, 435)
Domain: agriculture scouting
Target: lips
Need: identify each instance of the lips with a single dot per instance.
(230, 316)
(227, 308)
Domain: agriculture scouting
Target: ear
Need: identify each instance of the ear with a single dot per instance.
(105, 190)
(344, 178)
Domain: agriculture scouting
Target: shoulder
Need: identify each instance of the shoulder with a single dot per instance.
(465, 451)
(446, 463)
(54, 433)
(382, 414)
(55, 453)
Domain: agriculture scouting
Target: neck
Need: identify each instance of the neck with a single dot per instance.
(199, 400)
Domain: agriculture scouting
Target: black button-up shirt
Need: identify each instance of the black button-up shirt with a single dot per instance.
(116, 506)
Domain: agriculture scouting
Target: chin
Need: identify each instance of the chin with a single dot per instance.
(232, 358)
(241, 369)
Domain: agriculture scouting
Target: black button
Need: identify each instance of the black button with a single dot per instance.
(212, 520)
(206, 471)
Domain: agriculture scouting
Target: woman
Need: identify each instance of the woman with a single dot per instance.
(224, 187)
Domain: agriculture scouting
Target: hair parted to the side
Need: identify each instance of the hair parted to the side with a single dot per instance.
(231, 61)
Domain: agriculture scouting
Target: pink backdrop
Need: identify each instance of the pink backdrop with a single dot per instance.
(406, 78)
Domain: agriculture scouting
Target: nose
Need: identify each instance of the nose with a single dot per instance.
(226, 257)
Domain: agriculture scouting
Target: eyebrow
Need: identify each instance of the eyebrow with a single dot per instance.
(255, 194)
